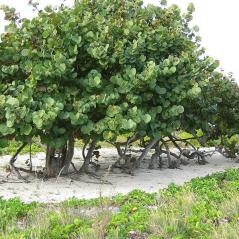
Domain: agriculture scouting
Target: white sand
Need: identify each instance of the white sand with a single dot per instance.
(53, 190)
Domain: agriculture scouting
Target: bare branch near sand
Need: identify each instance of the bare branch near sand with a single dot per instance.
(13, 160)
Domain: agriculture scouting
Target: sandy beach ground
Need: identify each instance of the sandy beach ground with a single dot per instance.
(85, 186)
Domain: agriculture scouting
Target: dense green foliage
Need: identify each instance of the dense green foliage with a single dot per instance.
(106, 68)
(202, 208)
(215, 111)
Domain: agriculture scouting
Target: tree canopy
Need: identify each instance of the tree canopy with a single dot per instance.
(105, 68)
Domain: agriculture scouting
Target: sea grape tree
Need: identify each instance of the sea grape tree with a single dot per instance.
(96, 71)
(214, 111)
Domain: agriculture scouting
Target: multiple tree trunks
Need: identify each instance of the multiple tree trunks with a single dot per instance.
(58, 160)
(161, 147)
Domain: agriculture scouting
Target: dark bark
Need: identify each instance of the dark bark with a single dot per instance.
(58, 160)
(187, 153)
(152, 160)
(159, 152)
(14, 157)
(173, 139)
(30, 157)
(119, 150)
(69, 154)
(156, 155)
(186, 141)
(130, 141)
(145, 152)
(126, 145)
(171, 163)
(182, 151)
(13, 160)
(84, 149)
(227, 153)
(191, 155)
(87, 157)
(51, 166)
(122, 153)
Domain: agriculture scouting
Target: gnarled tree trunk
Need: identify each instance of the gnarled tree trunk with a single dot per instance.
(87, 158)
(58, 160)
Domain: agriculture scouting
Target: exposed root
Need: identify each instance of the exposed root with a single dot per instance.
(123, 154)
(171, 163)
(146, 151)
(126, 163)
(189, 154)
(94, 182)
(99, 178)
(19, 176)
(136, 150)
(74, 167)
(152, 160)
(226, 152)
(59, 173)
(14, 157)
(7, 181)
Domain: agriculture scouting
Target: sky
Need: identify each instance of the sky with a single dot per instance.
(217, 20)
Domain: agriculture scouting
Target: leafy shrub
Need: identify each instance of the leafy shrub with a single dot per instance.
(133, 212)
(198, 217)
(11, 210)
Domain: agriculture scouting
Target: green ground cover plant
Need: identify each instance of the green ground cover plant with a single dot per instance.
(202, 208)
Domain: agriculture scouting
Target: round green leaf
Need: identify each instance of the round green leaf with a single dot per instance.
(146, 118)
(25, 52)
(26, 129)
